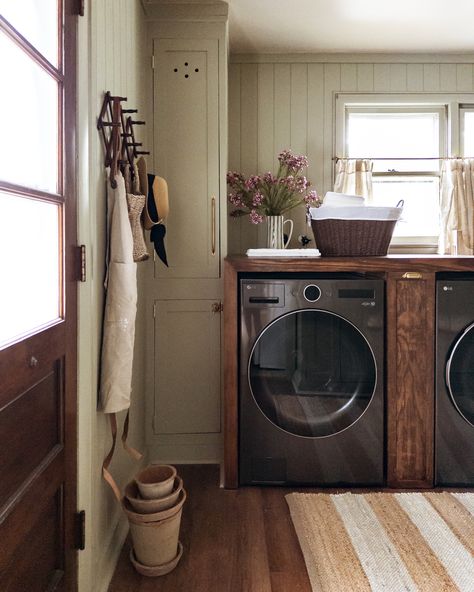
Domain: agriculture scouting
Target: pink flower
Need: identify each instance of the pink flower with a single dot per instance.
(257, 198)
(312, 198)
(252, 182)
(255, 217)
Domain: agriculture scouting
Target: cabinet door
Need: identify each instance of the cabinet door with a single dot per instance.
(187, 367)
(410, 388)
(186, 149)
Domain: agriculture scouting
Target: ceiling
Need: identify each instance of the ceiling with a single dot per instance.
(330, 26)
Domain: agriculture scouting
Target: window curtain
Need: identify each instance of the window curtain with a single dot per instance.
(457, 207)
(354, 176)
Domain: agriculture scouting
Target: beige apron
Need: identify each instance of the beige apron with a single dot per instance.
(120, 305)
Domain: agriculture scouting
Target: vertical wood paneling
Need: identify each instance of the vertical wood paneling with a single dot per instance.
(447, 77)
(299, 134)
(299, 108)
(265, 117)
(431, 82)
(265, 154)
(398, 77)
(332, 84)
(234, 224)
(464, 77)
(316, 125)
(415, 77)
(365, 77)
(115, 60)
(349, 77)
(381, 77)
(282, 109)
(248, 139)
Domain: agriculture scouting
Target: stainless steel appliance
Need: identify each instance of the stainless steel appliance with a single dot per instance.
(454, 449)
(311, 380)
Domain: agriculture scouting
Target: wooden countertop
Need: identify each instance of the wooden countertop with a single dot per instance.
(242, 263)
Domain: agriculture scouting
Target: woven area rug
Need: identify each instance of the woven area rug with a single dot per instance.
(391, 542)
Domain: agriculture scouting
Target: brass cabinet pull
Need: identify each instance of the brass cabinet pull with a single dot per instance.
(213, 225)
(412, 275)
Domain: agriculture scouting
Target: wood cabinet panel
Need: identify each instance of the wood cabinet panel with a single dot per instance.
(410, 387)
(187, 367)
(186, 142)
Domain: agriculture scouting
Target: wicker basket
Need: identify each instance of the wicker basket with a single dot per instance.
(342, 238)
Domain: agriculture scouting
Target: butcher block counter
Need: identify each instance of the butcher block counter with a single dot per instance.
(410, 351)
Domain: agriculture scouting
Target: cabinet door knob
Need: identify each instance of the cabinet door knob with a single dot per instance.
(217, 307)
(33, 362)
(412, 275)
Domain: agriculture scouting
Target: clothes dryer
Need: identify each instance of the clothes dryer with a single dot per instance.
(454, 440)
(311, 390)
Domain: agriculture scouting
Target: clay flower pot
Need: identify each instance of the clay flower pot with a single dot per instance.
(151, 506)
(156, 481)
(155, 536)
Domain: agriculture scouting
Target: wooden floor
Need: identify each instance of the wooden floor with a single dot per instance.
(234, 541)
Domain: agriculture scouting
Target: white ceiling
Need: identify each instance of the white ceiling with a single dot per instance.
(330, 26)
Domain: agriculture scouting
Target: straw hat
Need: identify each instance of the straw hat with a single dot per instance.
(155, 189)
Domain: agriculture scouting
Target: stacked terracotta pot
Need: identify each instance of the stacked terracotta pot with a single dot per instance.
(153, 502)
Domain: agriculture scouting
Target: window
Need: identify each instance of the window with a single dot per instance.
(467, 130)
(406, 143)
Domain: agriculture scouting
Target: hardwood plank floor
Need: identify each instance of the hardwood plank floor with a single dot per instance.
(234, 541)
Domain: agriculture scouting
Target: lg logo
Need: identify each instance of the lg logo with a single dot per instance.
(447, 288)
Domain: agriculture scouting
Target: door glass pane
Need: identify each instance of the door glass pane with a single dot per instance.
(30, 264)
(29, 104)
(312, 373)
(37, 21)
(461, 376)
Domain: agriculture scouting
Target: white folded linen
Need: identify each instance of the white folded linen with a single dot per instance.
(355, 213)
(283, 253)
(342, 199)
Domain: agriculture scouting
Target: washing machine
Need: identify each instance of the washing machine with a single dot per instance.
(311, 380)
(454, 439)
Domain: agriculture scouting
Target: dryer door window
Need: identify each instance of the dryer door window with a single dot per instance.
(460, 374)
(312, 373)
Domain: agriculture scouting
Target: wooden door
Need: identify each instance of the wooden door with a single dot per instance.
(38, 297)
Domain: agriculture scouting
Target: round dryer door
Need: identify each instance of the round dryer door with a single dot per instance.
(312, 373)
(460, 374)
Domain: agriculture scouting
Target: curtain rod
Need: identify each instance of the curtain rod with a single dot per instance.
(403, 158)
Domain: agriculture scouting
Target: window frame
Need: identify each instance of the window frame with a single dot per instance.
(449, 105)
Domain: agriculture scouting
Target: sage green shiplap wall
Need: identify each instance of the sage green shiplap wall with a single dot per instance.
(111, 56)
(277, 103)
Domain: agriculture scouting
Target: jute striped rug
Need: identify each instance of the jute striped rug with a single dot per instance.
(391, 542)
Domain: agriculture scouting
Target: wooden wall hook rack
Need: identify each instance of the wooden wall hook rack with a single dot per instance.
(118, 136)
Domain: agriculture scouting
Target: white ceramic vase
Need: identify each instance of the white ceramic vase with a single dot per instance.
(275, 232)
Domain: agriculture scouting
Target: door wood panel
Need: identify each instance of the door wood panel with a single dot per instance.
(410, 388)
(24, 447)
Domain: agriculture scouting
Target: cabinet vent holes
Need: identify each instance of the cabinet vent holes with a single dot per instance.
(186, 64)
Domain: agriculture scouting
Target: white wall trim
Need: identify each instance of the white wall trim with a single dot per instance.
(352, 58)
